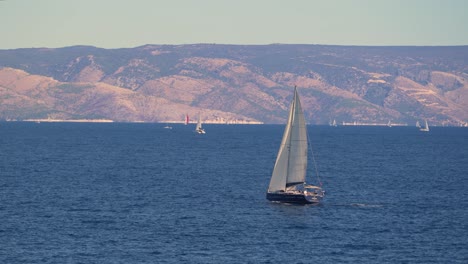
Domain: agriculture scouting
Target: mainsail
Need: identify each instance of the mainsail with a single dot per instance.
(425, 128)
(199, 128)
(291, 162)
(199, 125)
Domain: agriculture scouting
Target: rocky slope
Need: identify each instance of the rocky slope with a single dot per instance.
(234, 82)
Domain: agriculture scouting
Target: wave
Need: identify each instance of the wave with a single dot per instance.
(366, 205)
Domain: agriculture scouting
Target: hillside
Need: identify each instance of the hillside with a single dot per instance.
(158, 83)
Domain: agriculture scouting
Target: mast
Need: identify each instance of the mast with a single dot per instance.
(290, 124)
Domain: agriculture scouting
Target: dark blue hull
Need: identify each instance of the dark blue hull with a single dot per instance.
(290, 198)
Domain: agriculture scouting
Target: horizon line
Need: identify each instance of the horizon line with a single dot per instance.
(230, 44)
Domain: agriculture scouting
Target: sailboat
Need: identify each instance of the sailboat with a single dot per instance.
(199, 128)
(287, 184)
(418, 125)
(425, 128)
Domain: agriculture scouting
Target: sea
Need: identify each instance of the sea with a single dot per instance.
(140, 193)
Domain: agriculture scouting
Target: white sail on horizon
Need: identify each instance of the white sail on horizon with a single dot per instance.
(425, 128)
(199, 125)
(199, 128)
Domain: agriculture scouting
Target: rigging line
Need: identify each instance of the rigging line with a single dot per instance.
(313, 158)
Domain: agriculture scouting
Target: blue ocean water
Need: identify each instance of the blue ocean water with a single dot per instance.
(139, 193)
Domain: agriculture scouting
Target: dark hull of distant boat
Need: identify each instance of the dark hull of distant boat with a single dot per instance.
(291, 198)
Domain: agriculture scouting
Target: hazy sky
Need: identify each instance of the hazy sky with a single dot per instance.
(131, 23)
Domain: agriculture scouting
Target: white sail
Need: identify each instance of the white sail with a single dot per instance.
(425, 128)
(291, 162)
(199, 126)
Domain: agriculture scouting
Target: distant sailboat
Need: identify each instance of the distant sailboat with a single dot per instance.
(168, 126)
(186, 119)
(418, 125)
(288, 183)
(333, 123)
(199, 128)
(425, 128)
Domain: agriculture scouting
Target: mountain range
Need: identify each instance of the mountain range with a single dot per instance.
(236, 83)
